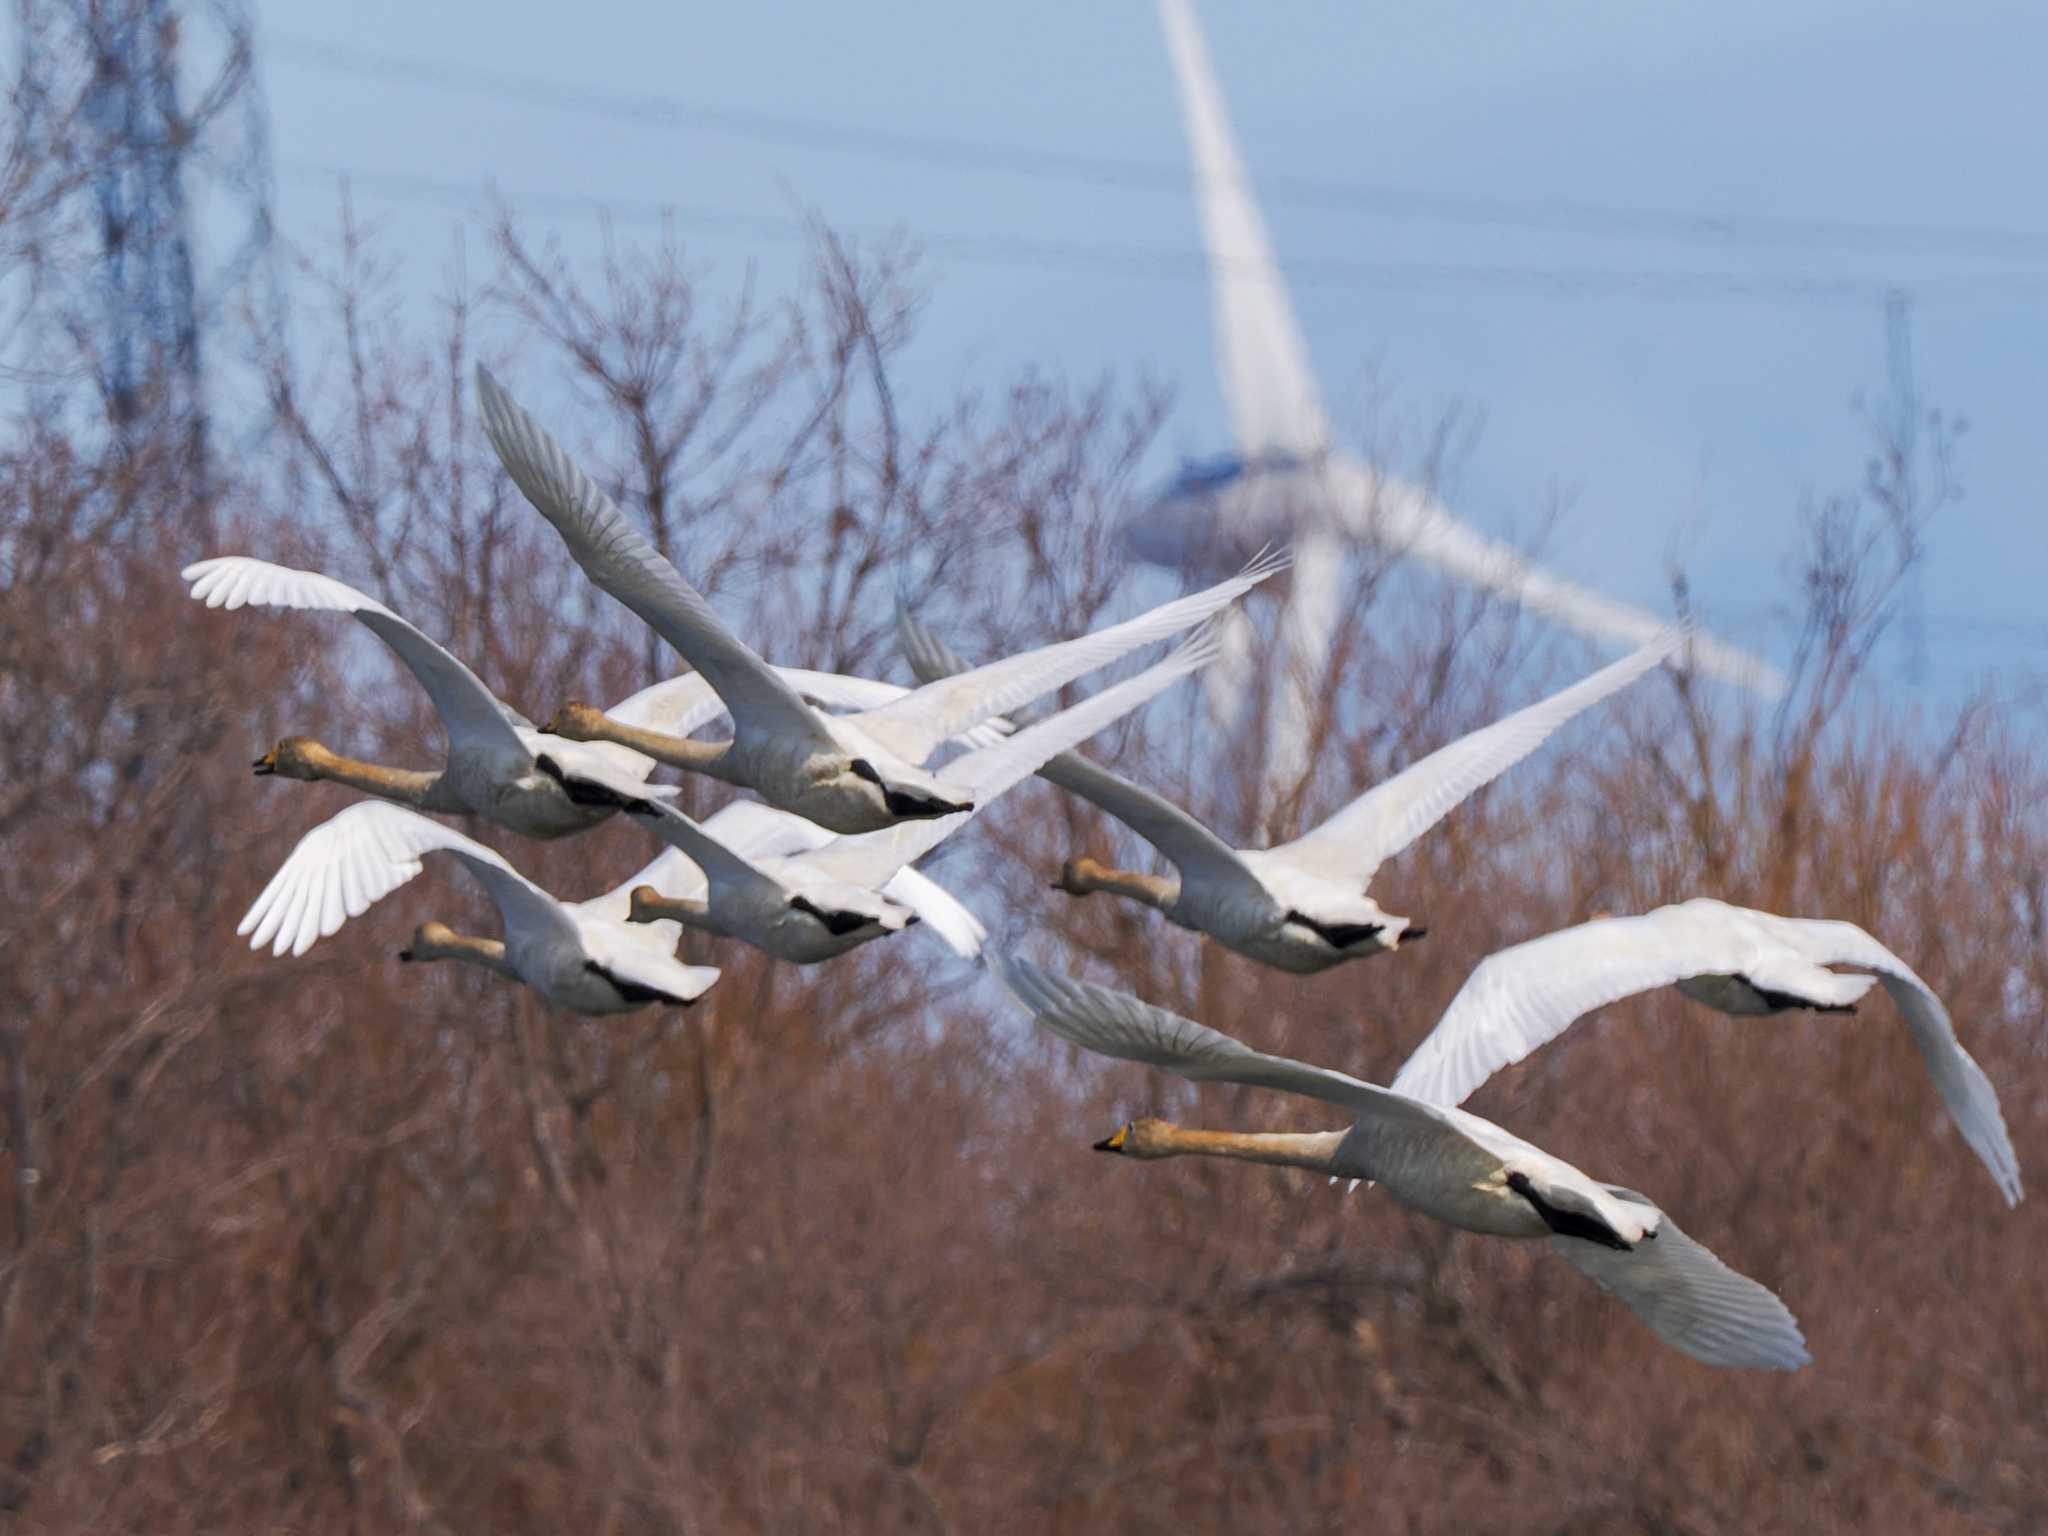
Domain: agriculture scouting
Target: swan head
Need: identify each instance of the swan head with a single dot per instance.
(1144, 1137)
(295, 757)
(576, 722)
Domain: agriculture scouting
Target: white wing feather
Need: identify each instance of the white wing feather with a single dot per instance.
(1691, 1300)
(467, 708)
(914, 726)
(355, 859)
(620, 560)
(871, 858)
(1352, 844)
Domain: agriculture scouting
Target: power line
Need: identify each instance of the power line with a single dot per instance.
(1561, 215)
(1181, 263)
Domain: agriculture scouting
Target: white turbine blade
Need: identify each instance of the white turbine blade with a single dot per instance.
(1405, 518)
(1262, 359)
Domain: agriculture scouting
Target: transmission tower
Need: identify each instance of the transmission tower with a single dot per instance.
(1898, 335)
(172, 130)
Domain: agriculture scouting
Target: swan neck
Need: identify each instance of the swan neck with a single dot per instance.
(706, 757)
(1315, 1150)
(406, 786)
(487, 953)
(1084, 876)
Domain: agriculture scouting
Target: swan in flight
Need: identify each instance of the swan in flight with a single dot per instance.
(821, 902)
(1731, 958)
(856, 773)
(581, 955)
(499, 767)
(1301, 907)
(1445, 1163)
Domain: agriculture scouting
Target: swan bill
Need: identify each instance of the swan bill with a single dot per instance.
(265, 767)
(1113, 1143)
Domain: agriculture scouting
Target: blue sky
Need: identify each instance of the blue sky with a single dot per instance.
(1687, 420)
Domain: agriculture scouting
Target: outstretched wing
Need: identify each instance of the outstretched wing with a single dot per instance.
(872, 858)
(353, 860)
(619, 559)
(1195, 851)
(1352, 844)
(1964, 1088)
(1267, 382)
(1691, 1300)
(469, 710)
(939, 910)
(1520, 998)
(913, 726)
(1111, 1023)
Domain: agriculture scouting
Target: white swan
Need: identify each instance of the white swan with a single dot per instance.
(822, 902)
(1302, 906)
(499, 767)
(582, 955)
(1445, 1163)
(1730, 958)
(852, 774)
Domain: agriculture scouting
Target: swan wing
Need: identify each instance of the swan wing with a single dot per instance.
(1963, 1086)
(620, 560)
(986, 773)
(470, 711)
(353, 860)
(1112, 1023)
(1520, 998)
(914, 726)
(939, 910)
(1353, 844)
(722, 866)
(1690, 1299)
(1196, 852)
(625, 955)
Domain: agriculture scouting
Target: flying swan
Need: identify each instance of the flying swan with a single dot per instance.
(499, 767)
(1731, 958)
(1443, 1162)
(855, 773)
(582, 955)
(821, 902)
(1301, 907)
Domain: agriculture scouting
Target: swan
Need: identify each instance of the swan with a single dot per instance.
(1733, 959)
(851, 774)
(1301, 907)
(1453, 1166)
(823, 901)
(499, 767)
(582, 955)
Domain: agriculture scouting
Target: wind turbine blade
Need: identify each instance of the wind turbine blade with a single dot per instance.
(1403, 517)
(1262, 359)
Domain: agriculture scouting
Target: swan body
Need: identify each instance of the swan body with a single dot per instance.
(857, 773)
(499, 766)
(1464, 1171)
(1301, 907)
(824, 900)
(581, 955)
(1739, 961)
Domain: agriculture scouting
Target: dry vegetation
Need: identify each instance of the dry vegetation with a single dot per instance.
(333, 1245)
